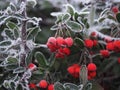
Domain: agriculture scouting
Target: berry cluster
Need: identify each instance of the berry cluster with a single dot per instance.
(91, 70)
(60, 46)
(44, 84)
(113, 46)
(74, 70)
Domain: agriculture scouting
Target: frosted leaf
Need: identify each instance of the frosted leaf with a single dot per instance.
(30, 44)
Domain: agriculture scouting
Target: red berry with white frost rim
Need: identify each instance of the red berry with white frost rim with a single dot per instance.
(32, 66)
(69, 41)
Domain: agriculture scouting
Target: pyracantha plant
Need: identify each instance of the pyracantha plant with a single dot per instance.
(84, 49)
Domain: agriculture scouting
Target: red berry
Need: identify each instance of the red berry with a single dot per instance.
(43, 84)
(117, 45)
(66, 51)
(51, 87)
(93, 34)
(91, 67)
(69, 41)
(92, 74)
(71, 70)
(52, 40)
(74, 70)
(105, 53)
(60, 41)
(32, 66)
(88, 43)
(110, 46)
(115, 9)
(32, 86)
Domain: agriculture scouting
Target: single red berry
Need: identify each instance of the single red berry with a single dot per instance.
(71, 70)
(119, 60)
(92, 74)
(94, 34)
(115, 9)
(32, 86)
(69, 41)
(32, 66)
(105, 53)
(88, 43)
(91, 67)
(51, 87)
(60, 41)
(43, 84)
(110, 46)
(66, 51)
(52, 40)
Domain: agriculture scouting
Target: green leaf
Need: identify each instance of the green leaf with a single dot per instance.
(9, 33)
(74, 26)
(66, 17)
(101, 19)
(5, 43)
(91, 16)
(58, 86)
(54, 27)
(118, 17)
(71, 86)
(32, 33)
(70, 9)
(59, 18)
(16, 33)
(12, 60)
(12, 85)
(79, 42)
(76, 15)
(19, 70)
(41, 59)
(11, 25)
(29, 58)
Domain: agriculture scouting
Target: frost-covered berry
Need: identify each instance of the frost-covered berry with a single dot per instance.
(69, 41)
(115, 9)
(32, 66)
